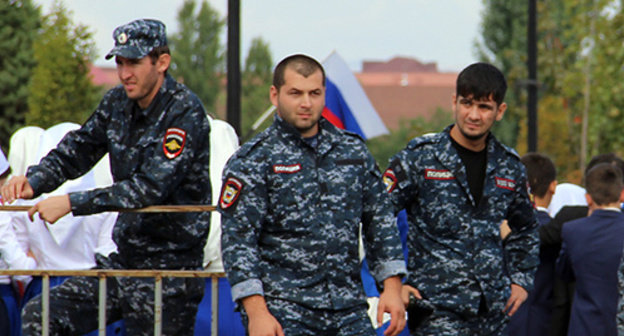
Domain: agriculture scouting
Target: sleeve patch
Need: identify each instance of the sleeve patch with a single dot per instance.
(173, 143)
(230, 192)
(389, 179)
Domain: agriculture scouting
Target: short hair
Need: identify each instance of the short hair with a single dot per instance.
(156, 52)
(541, 172)
(604, 183)
(610, 158)
(480, 81)
(302, 64)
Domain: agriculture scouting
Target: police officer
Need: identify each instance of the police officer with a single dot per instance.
(292, 203)
(156, 133)
(457, 187)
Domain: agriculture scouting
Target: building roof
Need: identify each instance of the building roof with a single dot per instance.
(405, 96)
(399, 64)
(104, 76)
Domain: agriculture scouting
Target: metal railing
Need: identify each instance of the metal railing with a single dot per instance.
(102, 274)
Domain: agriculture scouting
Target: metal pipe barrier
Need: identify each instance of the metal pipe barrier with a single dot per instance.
(102, 274)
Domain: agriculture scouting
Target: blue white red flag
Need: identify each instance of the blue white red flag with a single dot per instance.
(346, 103)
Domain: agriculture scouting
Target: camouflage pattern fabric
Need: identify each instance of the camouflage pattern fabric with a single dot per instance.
(455, 249)
(297, 320)
(138, 38)
(291, 214)
(158, 156)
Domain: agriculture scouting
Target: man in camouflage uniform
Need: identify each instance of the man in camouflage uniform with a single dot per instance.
(291, 204)
(457, 187)
(156, 133)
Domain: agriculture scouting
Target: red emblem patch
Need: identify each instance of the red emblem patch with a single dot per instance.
(389, 179)
(174, 141)
(230, 192)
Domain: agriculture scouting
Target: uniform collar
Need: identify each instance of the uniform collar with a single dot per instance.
(168, 86)
(328, 134)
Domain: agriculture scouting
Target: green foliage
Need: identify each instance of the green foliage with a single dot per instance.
(385, 146)
(197, 53)
(19, 21)
(60, 88)
(580, 68)
(256, 82)
(503, 44)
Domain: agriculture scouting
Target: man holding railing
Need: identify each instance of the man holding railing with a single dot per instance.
(156, 133)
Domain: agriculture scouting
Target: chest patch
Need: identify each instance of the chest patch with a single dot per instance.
(389, 179)
(505, 183)
(173, 143)
(435, 174)
(286, 169)
(230, 192)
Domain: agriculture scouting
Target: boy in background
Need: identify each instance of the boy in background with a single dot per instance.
(533, 317)
(591, 254)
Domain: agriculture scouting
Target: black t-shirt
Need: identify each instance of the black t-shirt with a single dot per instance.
(475, 163)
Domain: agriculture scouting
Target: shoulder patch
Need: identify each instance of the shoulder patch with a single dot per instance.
(230, 192)
(173, 143)
(389, 179)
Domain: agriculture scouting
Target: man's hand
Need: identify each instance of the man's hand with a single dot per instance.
(406, 290)
(261, 322)
(517, 297)
(390, 302)
(17, 187)
(51, 209)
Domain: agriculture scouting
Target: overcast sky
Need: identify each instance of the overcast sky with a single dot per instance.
(442, 31)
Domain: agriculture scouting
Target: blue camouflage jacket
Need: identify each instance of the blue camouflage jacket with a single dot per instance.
(455, 251)
(291, 215)
(158, 156)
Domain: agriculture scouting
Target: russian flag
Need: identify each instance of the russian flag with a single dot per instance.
(346, 103)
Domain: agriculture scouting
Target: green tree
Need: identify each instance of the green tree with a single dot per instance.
(19, 21)
(197, 53)
(61, 89)
(503, 43)
(256, 81)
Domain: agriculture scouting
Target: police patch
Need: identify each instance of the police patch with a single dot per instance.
(230, 192)
(389, 179)
(505, 183)
(286, 169)
(173, 143)
(434, 174)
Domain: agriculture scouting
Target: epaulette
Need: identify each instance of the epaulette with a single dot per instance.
(423, 140)
(253, 143)
(510, 150)
(354, 135)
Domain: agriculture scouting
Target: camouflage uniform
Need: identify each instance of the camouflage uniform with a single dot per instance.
(455, 249)
(291, 215)
(158, 156)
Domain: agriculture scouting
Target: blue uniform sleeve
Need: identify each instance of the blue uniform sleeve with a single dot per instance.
(522, 244)
(243, 207)
(156, 177)
(75, 155)
(381, 236)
